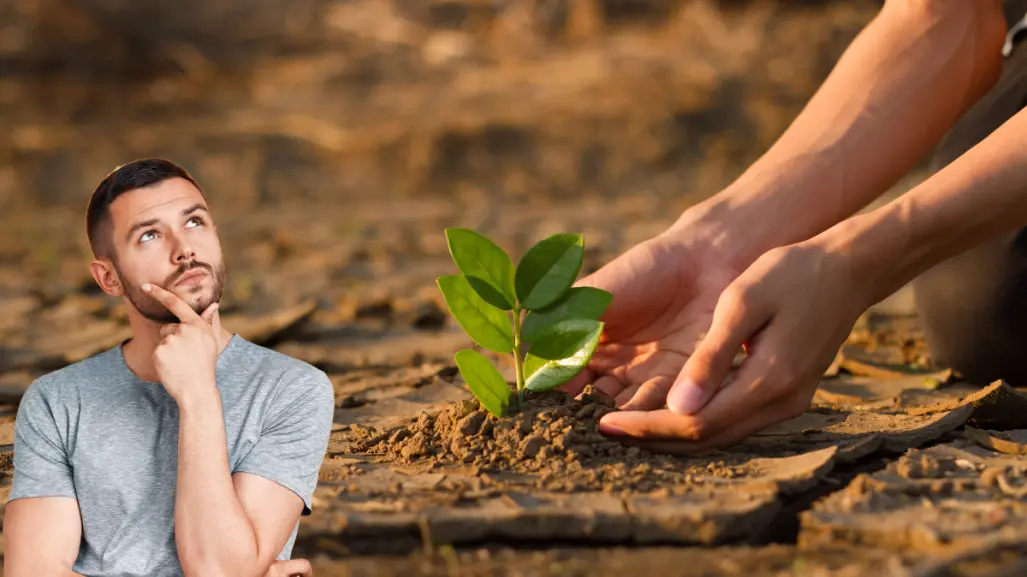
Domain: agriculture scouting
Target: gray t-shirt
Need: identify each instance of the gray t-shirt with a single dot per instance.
(96, 432)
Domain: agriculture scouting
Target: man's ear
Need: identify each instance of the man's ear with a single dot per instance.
(106, 277)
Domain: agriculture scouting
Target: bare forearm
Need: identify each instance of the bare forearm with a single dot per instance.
(213, 534)
(897, 89)
(17, 571)
(20, 563)
(981, 195)
(41, 536)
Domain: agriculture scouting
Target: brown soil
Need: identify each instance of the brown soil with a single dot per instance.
(553, 436)
(452, 474)
(772, 561)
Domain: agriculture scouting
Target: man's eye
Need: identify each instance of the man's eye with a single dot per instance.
(146, 236)
(197, 220)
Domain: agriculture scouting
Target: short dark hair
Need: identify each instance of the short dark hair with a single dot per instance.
(125, 178)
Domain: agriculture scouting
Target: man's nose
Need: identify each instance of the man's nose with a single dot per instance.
(183, 251)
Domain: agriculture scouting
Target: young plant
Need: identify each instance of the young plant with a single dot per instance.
(533, 307)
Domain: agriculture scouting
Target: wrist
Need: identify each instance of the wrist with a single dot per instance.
(197, 396)
(738, 224)
(881, 249)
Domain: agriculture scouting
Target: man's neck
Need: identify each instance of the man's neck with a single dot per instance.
(138, 351)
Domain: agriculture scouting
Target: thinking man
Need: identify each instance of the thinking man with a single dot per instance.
(184, 450)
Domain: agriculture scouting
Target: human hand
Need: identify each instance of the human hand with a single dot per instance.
(664, 292)
(791, 311)
(290, 568)
(186, 357)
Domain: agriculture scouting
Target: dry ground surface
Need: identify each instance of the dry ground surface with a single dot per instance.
(897, 468)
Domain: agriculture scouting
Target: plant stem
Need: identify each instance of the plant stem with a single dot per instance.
(518, 364)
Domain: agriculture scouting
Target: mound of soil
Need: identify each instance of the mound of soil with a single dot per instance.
(554, 438)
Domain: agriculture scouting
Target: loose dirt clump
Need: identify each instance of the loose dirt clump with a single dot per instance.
(919, 465)
(554, 439)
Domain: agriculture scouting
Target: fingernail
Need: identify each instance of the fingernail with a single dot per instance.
(685, 398)
(146, 287)
(613, 430)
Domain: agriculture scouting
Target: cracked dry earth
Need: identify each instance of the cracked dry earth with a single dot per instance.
(897, 468)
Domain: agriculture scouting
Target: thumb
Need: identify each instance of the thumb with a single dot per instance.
(209, 313)
(215, 321)
(290, 568)
(734, 323)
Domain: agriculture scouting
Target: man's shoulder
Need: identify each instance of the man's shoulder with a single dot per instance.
(75, 375)
(288, 381)
(286, 368)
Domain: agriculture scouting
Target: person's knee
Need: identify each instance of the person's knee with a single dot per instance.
(974, 311)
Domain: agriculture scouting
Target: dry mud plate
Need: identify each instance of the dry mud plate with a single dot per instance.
(894, 470)
(459, 476)
(546, 473)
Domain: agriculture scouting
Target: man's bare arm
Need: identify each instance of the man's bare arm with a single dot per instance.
(41, 537)
(273, 512)
(225, 525)
(214, 535)
(979, 196)
(799, 302)
(901, 84)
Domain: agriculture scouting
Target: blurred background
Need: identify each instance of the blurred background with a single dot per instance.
(337, 138)
(271, 101)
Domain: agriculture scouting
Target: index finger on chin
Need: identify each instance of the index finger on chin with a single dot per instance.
(172, 302)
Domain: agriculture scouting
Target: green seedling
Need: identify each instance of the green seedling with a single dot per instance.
(531, 310)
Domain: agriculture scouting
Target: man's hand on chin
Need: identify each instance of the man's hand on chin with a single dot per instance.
(290, 568)
(186, 357)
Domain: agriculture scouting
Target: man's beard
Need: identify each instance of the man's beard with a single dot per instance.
(152, 309)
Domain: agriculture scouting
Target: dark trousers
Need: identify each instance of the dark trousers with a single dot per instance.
(974, 306)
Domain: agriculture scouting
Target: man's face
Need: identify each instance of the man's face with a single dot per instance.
(164, 235)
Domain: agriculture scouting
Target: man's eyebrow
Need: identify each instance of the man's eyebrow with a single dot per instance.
(139, 225)
(153, 221)
(194, 208)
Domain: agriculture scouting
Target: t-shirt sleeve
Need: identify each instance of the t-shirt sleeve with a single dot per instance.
(294, 437)
(41, 464)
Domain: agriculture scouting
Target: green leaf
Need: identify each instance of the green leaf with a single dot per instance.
(487, 325)
(563, 339)
(545, 374)
(583, 302)
(548, 269)
(487, 267)
(488, 386)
